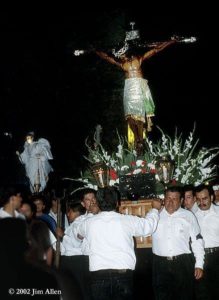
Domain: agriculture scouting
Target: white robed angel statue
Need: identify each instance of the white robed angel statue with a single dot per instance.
(35, 157)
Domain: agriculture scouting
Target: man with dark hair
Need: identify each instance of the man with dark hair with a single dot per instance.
(208, 218)
(173, 267)
(88, 200)
(111, 246)
(189, 200)
(28, 209)
(74, 248)
(11, 199)
(73, 262)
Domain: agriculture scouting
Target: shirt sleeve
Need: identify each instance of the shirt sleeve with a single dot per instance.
(81, 229)
(147, 225)
(52, 239)
(197, 242)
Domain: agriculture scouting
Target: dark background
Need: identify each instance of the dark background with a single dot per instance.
(61, 97)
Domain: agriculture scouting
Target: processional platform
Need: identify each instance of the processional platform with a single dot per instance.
(138, 208)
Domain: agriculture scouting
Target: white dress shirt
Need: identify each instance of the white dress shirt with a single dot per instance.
(52, 239)
(71, 243)
(5, 214)
(173, 234)
(209, 223)
(110, 238)
(194, 208)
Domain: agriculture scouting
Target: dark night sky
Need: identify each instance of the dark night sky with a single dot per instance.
(61, 97)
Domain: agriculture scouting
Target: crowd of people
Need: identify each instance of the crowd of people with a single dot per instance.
(97, 257)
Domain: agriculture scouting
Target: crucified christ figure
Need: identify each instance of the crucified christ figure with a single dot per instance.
(137, 99)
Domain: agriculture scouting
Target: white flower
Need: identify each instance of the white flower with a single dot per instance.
(164, 140)
(124, 168)
(188, 144)
(112, 182)
(137, 171)
(205, 171)
(92, 186)
(139, 163)
(151, 166)
(120, 150)
(113, 163)
(184, 179)
(134, 153)
(157, 177)
(96, 159)
(106, 156)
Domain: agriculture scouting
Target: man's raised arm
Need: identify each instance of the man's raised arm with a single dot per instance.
(158, 48)
(108, 58)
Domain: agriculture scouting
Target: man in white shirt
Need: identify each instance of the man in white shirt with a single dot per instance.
(208, 218)
(11, 202)
(111, 245)
(189, 200)
(173, 266)
(73, 262)
(74, 249)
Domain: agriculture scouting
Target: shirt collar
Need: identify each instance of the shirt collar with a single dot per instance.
(175, 212)
(210, 210)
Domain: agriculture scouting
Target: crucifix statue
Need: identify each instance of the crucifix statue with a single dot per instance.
(138, 103)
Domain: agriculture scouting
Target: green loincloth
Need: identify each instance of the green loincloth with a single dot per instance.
(137, 100)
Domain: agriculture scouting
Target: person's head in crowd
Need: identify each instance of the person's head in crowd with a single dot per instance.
(54, 205)
(188, 196)
(39, 201)
(75, 210)
(28, 209)
(108, 198)
(172, 198)
(53, 202)
(216, 192)
(88, 200)
(11, 197)
(204, 196)
(39, 243)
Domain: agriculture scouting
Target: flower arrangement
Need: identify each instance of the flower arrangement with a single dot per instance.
(192, 166)
(122, 162)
